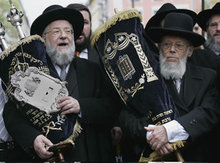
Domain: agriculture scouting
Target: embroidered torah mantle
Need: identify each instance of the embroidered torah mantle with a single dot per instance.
(132, 67)
(27, 83)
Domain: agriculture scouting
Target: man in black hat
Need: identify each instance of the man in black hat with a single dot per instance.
(89, 99)
(209, 21)
(166, 8)
(83, 44)
(157, 20)
(192, 88)
(201, 57)
(83, 47)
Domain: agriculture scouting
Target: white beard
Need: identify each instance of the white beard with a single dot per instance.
(60, 58)
(172, 70)
(212, 44)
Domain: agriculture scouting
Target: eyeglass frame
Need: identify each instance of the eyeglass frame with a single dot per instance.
(214, 25)
(57, 31)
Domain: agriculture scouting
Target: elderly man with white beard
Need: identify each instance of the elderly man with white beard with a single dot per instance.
(89, 99)
(192, 88)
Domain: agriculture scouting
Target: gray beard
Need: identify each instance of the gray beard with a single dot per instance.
(212, 44)
(60, 58)
(172, 70)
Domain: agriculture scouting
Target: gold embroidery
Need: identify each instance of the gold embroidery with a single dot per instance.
(161, 115)
(51, 126)
(143, 58)
(122, 40)
(120, 16)
(126, 67)
(29, 39)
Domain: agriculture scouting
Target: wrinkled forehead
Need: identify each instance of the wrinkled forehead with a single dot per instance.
(60, 24)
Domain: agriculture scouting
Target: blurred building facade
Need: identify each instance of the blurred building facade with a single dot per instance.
(102, 10)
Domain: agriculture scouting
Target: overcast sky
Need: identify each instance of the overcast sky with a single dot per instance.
(33, 8)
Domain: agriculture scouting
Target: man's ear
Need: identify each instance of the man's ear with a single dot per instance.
(191, 48)
(43, 36)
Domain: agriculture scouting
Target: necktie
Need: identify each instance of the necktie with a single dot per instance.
(3, 132)
(63, 73)
(177, 83)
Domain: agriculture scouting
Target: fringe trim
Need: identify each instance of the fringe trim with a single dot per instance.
(123, 15)
(76, 131)
(154, 156)
(29, 39)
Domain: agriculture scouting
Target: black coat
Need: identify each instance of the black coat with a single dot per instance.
(97, 109)
(198, 105)
(207, 58)
(93, 55)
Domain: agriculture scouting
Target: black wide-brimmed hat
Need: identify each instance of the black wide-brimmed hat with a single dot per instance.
(177, 24)
(57, 12)
(203, 16)
(166, 8)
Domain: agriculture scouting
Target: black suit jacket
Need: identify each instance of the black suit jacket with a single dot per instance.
(198, 105)
(98, 110)
(207, 58)
(93, 55)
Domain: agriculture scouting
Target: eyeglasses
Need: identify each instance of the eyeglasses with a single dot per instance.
(178, 46)
(58, 31)
(214, 25)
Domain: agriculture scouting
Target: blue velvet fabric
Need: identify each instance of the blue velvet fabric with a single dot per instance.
(118, 47)
(31, 52)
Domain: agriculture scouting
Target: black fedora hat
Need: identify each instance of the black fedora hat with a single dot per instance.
(203, 16)
(166, 8)
(177, 24)
(57, 12)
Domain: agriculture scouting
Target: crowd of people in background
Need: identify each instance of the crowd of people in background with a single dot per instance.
(189, 64)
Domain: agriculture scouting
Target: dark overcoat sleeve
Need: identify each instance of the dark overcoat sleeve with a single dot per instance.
(133, 125)
(21, 130)
(204, 111)
(99, 102)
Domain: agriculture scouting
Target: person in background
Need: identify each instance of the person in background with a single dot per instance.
(89, 99)
(197, 29)
(85, 50)
(201, 56)
(4, 136)
(157, 20)
(209, 21)
(83, 46)
(192, 87)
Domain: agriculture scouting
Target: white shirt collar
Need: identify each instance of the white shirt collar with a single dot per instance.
(84, 54)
